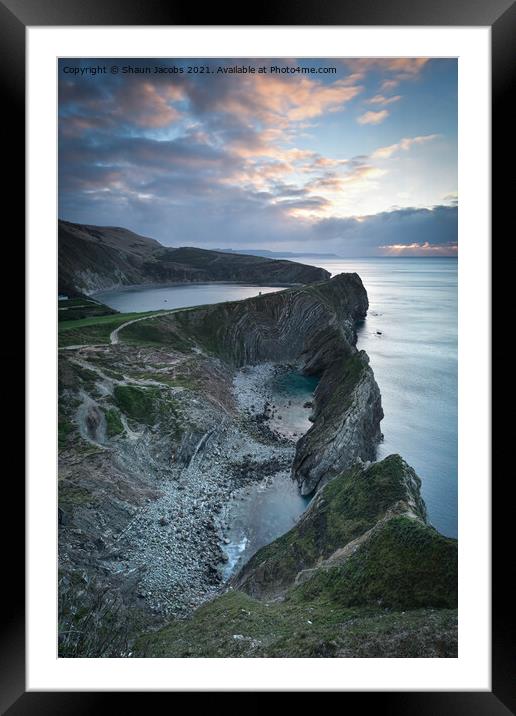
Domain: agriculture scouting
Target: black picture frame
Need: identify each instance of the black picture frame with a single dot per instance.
(15, 16)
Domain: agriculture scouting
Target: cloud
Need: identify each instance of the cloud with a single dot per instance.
(420, 249)
(405, 65)
(146, 104)
(452, 197)
(403, 145)
(417, 229)
(142, 103)
(373, 117)
(308, 204)
(275, 101)
(256, 160)
(388, 85)
(381, 100)
(397, 68)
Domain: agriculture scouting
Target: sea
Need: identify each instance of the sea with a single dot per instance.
(410, 335)
(156, 298)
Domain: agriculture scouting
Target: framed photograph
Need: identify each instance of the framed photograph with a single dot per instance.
(258, 354)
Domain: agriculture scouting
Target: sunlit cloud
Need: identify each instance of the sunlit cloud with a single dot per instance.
(373, 117)
(261, 158)
(399, 68)
(388, 85)
(452, 198)
(406, 231)
(381, 100)
(423, 249)
(278, 100)
(403, 145)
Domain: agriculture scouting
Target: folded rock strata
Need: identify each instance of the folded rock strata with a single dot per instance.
(314, 327)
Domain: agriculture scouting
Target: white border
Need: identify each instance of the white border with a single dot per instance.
(471, 670)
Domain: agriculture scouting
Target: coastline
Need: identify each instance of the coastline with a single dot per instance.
(178, 425)
(143, 286)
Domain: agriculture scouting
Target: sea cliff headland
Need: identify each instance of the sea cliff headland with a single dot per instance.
(159, 433)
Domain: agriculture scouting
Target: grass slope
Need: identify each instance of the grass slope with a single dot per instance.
(94, 329)
(404, 565)
(236, 625)
(346, 507)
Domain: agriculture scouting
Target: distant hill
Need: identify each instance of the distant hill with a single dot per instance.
(278, 254)
(94, 258)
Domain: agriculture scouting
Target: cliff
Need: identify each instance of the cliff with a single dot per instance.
(154, 446)
(342, 520)
(346, 422)
(313, 326)
(362, 574)
(93, 258)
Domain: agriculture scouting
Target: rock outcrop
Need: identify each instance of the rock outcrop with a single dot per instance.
(346, 423)
(361, 575)
(154, 445)
(364, 538)
(93, 258)
(313, 326)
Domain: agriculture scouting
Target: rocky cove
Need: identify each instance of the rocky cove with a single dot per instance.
(169, 440)
(168, 535)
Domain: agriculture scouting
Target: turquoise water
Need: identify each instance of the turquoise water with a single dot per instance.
(410, 334)
(258, 515)
(290, 392)
(264, 511)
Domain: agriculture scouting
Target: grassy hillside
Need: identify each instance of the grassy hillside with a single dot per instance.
(392, 592)
(235, 625)
(96, 257)
(94, 330)
(346, 508)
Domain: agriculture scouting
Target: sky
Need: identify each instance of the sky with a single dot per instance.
(356, 157)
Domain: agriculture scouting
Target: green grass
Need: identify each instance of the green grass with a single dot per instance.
(149, 406)
(139, 404)
(348, 506)
(404, 565)
(113, 321)
(290, 629)
(156, 332)
(114, 425)
(82, 313)
(96, 329)
(168, 331)
(75, 309)
(77, 303)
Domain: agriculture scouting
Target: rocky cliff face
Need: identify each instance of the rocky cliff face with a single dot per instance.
(364, 538)
(154, 444)
(346, 423)
(92, 258)
(361, 575)
(313, 326)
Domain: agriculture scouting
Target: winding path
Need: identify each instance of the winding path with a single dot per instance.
(113, 337)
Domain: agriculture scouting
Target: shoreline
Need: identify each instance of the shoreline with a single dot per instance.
(197, 442)
(142, 286)
(228, 462)
(176, 544)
